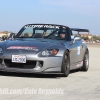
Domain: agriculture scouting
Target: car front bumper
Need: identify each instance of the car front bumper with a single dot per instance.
(50, 65)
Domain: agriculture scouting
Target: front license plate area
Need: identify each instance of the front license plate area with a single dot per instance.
(19, 58)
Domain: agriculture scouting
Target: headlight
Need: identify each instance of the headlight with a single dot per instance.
(50, 52)
(1, 51)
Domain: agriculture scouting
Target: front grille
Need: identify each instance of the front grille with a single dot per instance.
(27, 65)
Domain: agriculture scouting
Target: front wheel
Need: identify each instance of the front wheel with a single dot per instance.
(66, 64)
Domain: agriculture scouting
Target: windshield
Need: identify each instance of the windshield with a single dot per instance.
(42, 31)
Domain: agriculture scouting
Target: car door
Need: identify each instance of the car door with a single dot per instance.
(80, 50)
(74, 49)
(73, 53)
(76, 53)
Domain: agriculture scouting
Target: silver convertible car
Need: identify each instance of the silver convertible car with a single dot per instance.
(44, 48)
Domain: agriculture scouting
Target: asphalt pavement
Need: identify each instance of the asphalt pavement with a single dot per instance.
(77, 86)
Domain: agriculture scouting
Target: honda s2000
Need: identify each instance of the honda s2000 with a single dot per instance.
(44, 48)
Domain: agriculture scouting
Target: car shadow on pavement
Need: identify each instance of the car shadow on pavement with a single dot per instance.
(74, 71)
(28, 75)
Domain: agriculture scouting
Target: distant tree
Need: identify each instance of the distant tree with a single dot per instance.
(4, 37)
(85, 38)
(95, 38)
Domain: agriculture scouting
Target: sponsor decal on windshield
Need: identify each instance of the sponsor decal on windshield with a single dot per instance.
(23, 47)
(44, 26)
(64, 27)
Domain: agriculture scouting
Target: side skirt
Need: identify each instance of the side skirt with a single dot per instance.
(76, 65)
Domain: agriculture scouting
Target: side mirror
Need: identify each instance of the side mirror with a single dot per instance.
(12, 36)
(76, 38)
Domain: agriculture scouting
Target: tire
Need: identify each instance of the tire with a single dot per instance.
(85, 66)
(66, 64)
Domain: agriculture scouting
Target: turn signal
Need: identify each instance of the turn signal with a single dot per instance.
(54, 51)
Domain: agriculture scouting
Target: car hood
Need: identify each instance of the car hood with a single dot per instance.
(28, 46)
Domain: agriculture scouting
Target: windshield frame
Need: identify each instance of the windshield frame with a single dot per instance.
(45, 26)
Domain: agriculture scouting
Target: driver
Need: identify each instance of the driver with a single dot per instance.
(63, 35)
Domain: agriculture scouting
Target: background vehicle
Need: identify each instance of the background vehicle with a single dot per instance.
(39, 48)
